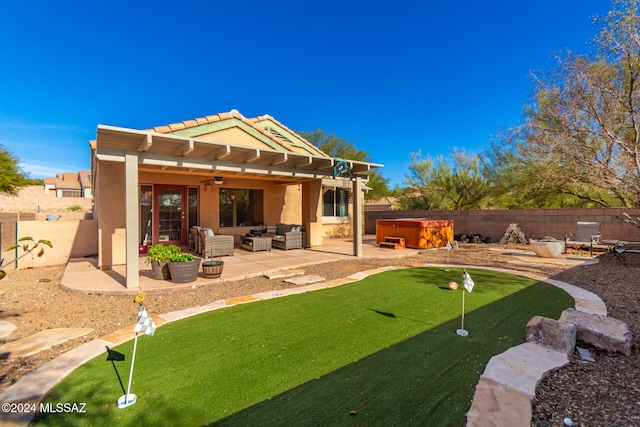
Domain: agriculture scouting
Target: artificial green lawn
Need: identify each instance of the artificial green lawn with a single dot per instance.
(384, 347)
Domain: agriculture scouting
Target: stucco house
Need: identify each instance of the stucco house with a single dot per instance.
(225, 172)
(69, 184)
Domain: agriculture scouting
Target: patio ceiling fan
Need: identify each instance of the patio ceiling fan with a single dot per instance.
(218, 180)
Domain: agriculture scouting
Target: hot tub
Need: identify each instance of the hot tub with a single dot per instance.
(419, 233)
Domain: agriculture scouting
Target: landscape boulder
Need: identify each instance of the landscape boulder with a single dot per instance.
(603, 332)
(552, 333)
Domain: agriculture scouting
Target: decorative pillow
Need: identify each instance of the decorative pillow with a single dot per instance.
(208, 232)
(296, 227)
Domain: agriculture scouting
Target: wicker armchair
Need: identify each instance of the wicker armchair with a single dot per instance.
(287, 236)
(215, 245)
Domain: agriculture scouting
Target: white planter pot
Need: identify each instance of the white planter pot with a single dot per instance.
(547, 249)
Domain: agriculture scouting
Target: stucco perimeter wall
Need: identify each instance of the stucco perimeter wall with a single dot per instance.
(535, 223)
(30, 198)
(70, 239)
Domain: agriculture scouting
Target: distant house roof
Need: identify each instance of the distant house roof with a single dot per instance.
(85, 179)
(70, 180)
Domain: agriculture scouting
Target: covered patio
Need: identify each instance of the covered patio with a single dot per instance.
(83, 275)
(153, 185)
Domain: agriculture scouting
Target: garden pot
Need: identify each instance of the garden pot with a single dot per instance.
(212, 269)
(160, 270)
(547, 248)
(186, 271)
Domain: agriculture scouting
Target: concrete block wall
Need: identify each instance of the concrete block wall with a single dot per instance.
(534, 223)
(30, 198)
(70, 239)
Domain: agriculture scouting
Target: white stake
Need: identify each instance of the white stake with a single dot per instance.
(462, 332)
(129, 399)
(468, 285)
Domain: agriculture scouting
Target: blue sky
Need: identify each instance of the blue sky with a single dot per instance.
(390, 77)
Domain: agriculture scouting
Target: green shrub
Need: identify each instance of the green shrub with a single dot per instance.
(74, 208)
(160, 252)
(182, 257)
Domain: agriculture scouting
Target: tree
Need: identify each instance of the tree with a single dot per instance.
(519, 181)
(11, 176)
(337, 147)
(438, 184)
(421, 182)
(582, 130)
(464, 184)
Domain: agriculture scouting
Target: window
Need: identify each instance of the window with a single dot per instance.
(146, 217)
(70, 193)
(192, 210)
(240, 207)
(335, 202)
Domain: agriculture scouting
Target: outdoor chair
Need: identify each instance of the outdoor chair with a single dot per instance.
(587, 234)
(213, 245)
(194, 239)
(285, 236)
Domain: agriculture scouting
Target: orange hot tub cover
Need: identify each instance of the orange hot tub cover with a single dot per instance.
(419, 233)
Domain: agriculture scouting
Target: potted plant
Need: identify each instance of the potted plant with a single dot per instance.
(159, 257)
(184, 267)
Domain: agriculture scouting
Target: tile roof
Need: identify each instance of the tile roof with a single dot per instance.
(70, 180)
(257, 123)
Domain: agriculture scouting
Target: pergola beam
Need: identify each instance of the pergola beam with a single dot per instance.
(146, 144)
(186, 148)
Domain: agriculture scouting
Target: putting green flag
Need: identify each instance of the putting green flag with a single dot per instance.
(145, 324)
(466, 280)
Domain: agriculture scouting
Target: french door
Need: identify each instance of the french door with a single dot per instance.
(170, 215)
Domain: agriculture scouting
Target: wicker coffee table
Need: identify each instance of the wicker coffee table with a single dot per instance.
(256, 243)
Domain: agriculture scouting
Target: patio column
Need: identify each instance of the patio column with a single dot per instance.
(357, 217)
(132, 221)
(312, 212)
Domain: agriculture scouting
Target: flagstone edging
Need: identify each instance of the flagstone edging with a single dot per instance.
(495, 403)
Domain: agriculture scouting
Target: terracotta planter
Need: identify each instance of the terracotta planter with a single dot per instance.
(182, 272)
(160, 270)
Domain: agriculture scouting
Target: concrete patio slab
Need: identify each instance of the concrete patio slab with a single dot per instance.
(529, 257)
(83, 275)
(43, 340)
